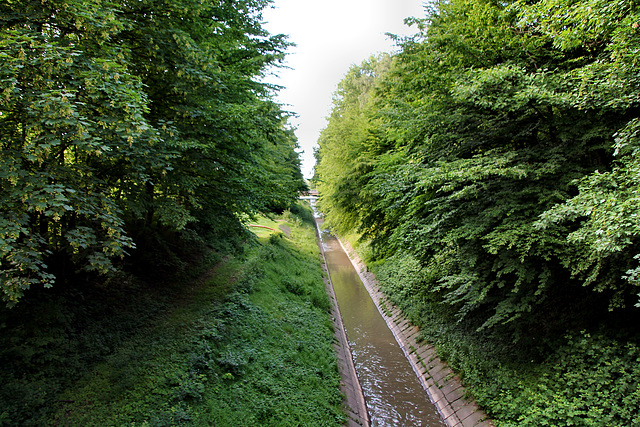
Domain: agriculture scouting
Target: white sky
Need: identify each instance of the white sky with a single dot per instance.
(330, 36)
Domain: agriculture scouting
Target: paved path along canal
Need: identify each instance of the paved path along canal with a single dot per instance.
(393, 394)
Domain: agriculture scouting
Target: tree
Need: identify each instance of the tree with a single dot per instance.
(119, 118)
(493, 116)
(605, 244)
(71, 114)
(345, 145)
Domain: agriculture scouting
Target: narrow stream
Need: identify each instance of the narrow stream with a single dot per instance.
(393, 393)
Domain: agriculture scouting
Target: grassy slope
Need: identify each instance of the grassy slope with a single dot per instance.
(250, 344)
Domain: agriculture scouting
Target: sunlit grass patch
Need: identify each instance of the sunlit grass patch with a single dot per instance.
(263, 226)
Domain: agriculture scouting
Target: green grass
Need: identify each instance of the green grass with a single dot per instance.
(257, 225)
(248, 344)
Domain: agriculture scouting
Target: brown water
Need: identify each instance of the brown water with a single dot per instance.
(392, 391)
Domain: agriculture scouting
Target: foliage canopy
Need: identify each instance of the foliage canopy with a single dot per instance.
(491, 172)
(125, 120)
(499, 150)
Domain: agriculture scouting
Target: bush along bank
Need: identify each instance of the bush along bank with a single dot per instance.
(250, 345)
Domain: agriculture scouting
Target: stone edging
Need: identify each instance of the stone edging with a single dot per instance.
(442, 385)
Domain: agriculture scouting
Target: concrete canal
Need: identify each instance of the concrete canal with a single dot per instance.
(393, 394)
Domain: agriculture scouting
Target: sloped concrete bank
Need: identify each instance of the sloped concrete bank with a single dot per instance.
(442, 385)
(355, 405)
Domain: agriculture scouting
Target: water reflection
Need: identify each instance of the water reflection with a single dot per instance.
(394, 395)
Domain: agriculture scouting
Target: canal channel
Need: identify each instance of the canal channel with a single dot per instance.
(393, 394)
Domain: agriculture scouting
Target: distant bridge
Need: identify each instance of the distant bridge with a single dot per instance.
(309, 195)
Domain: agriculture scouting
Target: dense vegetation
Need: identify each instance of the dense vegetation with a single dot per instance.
(137, 141)
(129, 126)
(490, 171)
(246, 342)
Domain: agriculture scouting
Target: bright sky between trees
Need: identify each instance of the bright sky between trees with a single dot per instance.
(330, 36)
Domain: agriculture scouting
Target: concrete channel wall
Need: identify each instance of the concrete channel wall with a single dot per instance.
(355, 404)
(442, 385)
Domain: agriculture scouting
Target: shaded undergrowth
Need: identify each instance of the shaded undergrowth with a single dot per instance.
(249, 343)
